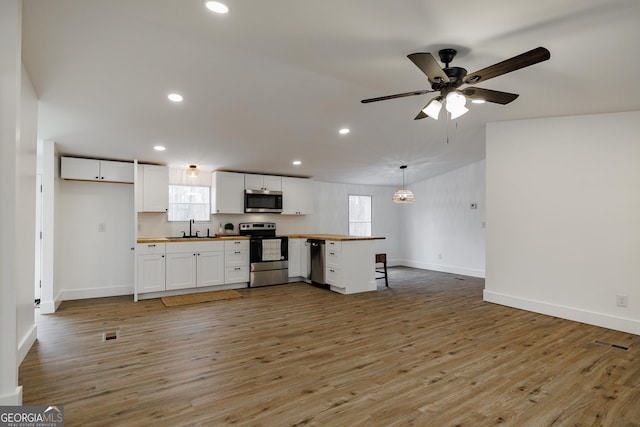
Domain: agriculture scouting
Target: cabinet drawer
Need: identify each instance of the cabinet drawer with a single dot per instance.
(333, 276)
(333, 258)
(150, 248)
(333, 245)
(236, 274)
(236, 258)
(233, 245)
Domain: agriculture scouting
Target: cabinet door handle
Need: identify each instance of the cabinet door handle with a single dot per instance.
(162, 256)
(237, 268)
(237, 252)
(151, 246)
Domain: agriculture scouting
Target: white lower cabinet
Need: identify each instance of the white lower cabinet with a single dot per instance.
(210, 269)
(181, 271)
(151, 267)
(299, 254)
(236, 261)
(191, 264)
(194, 264)
(350, 266)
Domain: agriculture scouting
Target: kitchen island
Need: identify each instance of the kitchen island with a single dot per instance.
(349, 261)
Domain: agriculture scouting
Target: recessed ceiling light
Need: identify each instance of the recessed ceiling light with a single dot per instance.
(297, 162)
(217, 7)
(175, 97)
(159, 147)
(344, 131)
(478, 101)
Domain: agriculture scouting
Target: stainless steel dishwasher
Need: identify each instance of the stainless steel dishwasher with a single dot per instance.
(317, 260)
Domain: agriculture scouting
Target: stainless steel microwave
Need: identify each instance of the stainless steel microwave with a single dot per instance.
(263, 201)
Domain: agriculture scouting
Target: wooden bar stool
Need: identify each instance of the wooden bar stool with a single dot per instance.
(382, 259)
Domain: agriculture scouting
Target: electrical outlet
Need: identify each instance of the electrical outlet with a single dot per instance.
(439, 256)
(621, 300)
(102, 227)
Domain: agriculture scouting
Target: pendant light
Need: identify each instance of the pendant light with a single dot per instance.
(193, 171)
(403, 195)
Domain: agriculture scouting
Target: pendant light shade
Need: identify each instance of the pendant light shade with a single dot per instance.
(403, 195)
(193, 171)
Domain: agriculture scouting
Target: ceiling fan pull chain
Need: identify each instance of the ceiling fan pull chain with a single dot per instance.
(448, 114)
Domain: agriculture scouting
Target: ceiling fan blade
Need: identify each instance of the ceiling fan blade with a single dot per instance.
(428, 65)
(399, 95)
(489, 95)
(421, 115)
(534, 56)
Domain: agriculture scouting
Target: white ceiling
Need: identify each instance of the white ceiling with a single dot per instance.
(273, 81)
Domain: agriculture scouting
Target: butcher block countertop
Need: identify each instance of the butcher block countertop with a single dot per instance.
(190, 239)
(337, 237)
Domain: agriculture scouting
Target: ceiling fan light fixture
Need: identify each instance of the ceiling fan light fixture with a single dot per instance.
(455, 105)
(193, 171)
(403, 195)
(433, 108)
(457, 112)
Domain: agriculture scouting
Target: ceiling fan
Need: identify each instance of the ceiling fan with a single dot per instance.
(448, 80)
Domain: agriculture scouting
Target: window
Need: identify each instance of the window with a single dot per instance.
(189, 202)
(360, 216)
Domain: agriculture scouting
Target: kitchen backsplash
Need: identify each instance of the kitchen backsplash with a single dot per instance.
(156, 224)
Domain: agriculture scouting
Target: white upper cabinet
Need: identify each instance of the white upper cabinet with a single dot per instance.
(116, 171)
(296, 196)
(227, 192)
(262, 182)
(155, 188)
(96, 170)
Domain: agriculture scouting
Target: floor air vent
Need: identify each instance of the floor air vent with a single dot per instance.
(606, 344)
(109, 336)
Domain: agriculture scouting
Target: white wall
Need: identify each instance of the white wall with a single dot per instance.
(91, 263)
(26, 218)
(331, 215)
(18, 116)
(563, 228)
(50, 293)
(440, 230)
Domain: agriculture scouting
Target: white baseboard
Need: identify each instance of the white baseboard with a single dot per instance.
(111, 291)
(442, 268)
(151, 295)
(570, 313)
(50, 307)
(12, 399)
(26, 342)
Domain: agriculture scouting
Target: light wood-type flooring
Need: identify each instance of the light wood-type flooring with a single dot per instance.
(425, 352)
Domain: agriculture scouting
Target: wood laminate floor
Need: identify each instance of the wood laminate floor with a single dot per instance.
(425, 352)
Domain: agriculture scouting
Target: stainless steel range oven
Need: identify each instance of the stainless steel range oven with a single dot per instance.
(268, 254)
